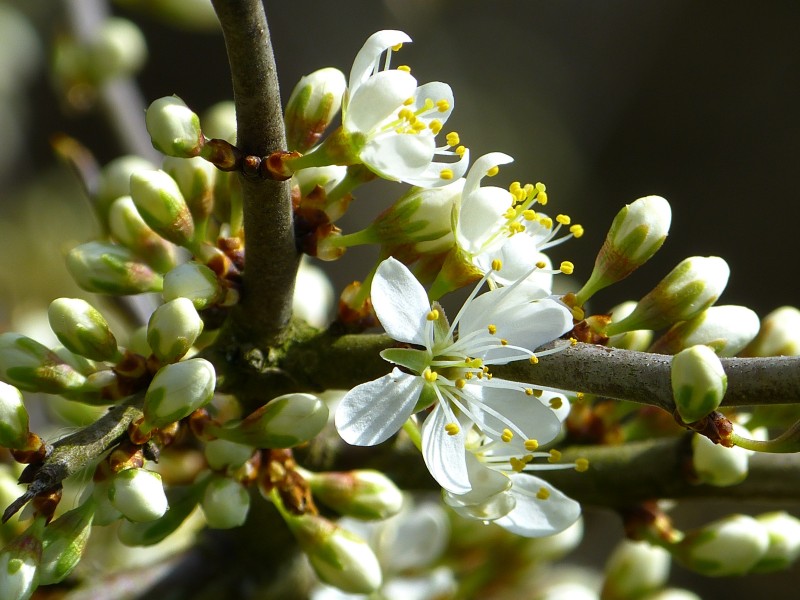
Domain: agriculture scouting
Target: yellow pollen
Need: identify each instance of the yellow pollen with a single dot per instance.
(406, 114)
(554, 457)
(567, 267)
(418, 125)
(489, 376)
(529, 190)
(545, 222)
(573, 341)
(510, 213)
(563, 219)
(504, 342)
(408, 101)
(516, 227)
(534, 360)
(433, 315)
(543, 494)
(531, 445)
(515, 187)
(480, 375)
(540, 187)
(461, 150)
(529, 391)
(529, 215)
(516, 464)
(538, 393)
(492, 329)
(507, 435)
(493, 171)
(443, 105)
(446, 174)
(541, 264)
(541, 197)
(460, 383)
(452, 428)
(467, 375)
(435, 126)
(497, 264)
(576, 230)
(581, 465)
(453, 139)
(428, 104)
(556, 403)
(577, 313)
(430, 376)
(397, 47)
(404, 68)
(580, 396)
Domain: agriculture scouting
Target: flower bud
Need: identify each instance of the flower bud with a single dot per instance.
(698, 382)
(634, 569)
(162, 206)
(724, 329)
(177, 391)
(313, 295)
(19, 563)
(63, 543)
(32, 367)
(110, 269)
(779, 334)
(339, 558)
(690, 288)
(717, 465)
(173, 328)
(221, 454)
(13, 418)
(119, 49)
(130, 230)
(82, 329)
(174, 129)
(315, 101)
(362, 494)
(194, 281)
(195, 178)
(138, 494)
(730, 546)
(636, 233)
(784, 541)
(555, 547)
(219, 121)
(283, 422)
(639, 339)
(671, 594)
(225, 503)
(115, 181)
(182, 501)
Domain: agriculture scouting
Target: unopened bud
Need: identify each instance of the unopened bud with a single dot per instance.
(314, 103)
(82, 329)
(115, 181)
(182, 501)
(784, 541)
(284, 422)
(221, 454)
(64, 542)
(634, 569)
(162, 206)
(716, 465)
(698, 382)
(225, 503)
(194, 281)
(362, 494)
(119, 49)
(313, 295)
(13, 418)
(724, 329)
(19, 563)
(173, 328)
(638, 339)
(138, 494)
(32, 367)
(195, 178)
(129, 229)
(636, 234)
(177, 390)
(779, 334)
(110, 269)
(219, 121)
(690, 288)
(174, 129)
(730, 546)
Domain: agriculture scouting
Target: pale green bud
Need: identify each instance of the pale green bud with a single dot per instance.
(64, 542)
(690, 288)
(111, 269)
(671, 594)
(221, 454)
(105, 512)
(162, 206)
(174, 128)
(129, 229)
(195, 178)
(635, 568)
(173, 328)
(339, 558)
(283, 422)
(13, 418)
(82, 329)
(724, 329)
(137, 341)
(138, 494)
(639, 339)
(557, 546)
(81, 364)
(225, 503)
(314, 297)
(177, 391)
(717, 465)
(115, 181)
(19, 563)
(314, 103)
(698, 382)
(779, 334)
(182, 501)
(219, 121)
(784, 541)
(636, 234)
(730, 546)
(119, 49)
(362, 494)
(194, 281)
(32, 367)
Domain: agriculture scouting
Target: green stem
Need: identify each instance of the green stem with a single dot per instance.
(412, 430)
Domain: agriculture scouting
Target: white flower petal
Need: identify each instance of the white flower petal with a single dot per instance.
(435, 91)
(444, 454)
(439, 583)
(481, 166)
(377, 100)
(481, 217)
(485, 482)
(413, 539)
(533, 517)
(400, 302)
(432, 175)
(367, 58)
(399, 157)
(372, 412)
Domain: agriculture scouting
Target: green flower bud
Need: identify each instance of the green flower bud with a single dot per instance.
(225, 503)
(363, 494)
(195, 178)
(119, 49)
(724, 329)
(110, 269)
(181, 499)
(717, 465)
(698, 382)
(115, 181)
(635, 568)
(19, 563)
(194, 281)
(82, 329)
(339, 558)
(639, 339)
(177, 391)
(784, 541)
(173, 328)
(32, 367)
(690, 288)
(138, 494)
(219, 121)
(221, 454)
(174, 129)
(671, 594)
(13, 418)
(64, 542)
(636, 234)
(162, 206)
(779, 334)
(314, 103)
(283, 422)
(130, 230)
(730, 546)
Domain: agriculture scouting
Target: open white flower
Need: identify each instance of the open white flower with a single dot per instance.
(450, 373)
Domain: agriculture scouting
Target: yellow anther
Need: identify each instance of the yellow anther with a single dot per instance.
(581, 465)
(527, 458)
(493, 171)
(573, 341)
(541, 198)
(515, 187)
(408, 101)
(452, 428)
(443, 105)
(446, 174)
(433, 315)
(507, 435)
(516, 464)
(460, 151)
(554, 457)
(460, 383)
(435, 126)
(504, 342)
(418, 125)
(529, 391)
(580, 396)
(477, 363)
(453, 139)
(534, 360)
(404, 68)
(563, 219)
(577, 313)
(430, 376)
(541, 264)
(556, 403)
(480, 374)
(428, 104)
(492, 329)
(545, 222)
(543, 494)
(397, 47)
(540, 187)
(576, 230)
(467, 375)
(567, 267)
(489, 376)
(529, 190)
(485, 369)
(497, 264)
(510, 213)
(516, 227)
(405, 114)
(529, 215)
(531, 445)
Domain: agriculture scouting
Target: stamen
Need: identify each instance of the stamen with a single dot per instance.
(531, 445)
(493, 171)
(504, 342)
(567, 267)
(541, 198)
(397, 47)
(446, 174)
(497, 264)
(581, 465)
(452, 429)
(534, 360)
(433, 315)
(461, 150)
(543, 494)
(430, 376)
(556, 403)
(507, 436)
(576, 230)
(563, 219)
(555, 456)
(529, 391)
(545, 222)
(453, 139)
(510, 214)
(408, 101)
(492, 329)
(516, 464)
(443, 105)
(404, 68)
(435, 126)
(577, 313)
(460, 383)
(529, 215)
(427, 105)
(573, 341)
